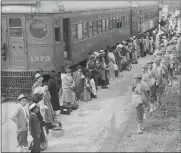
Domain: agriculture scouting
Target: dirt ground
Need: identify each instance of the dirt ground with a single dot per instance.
(103, 124)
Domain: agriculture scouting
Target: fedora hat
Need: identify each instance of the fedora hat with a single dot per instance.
(92, 57)
(37, 97)
(38, 75)
(21, 97)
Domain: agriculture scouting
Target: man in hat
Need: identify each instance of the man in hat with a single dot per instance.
(138, 98)
(38, 81)
(158, 75)
(20, 118)
(35, 129)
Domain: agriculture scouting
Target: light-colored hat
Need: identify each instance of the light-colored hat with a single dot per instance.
(37, 75)
(124, 42)
(101, 51)
(21, 97)
(120, 46)
(67, 70)
(154, 31)
(32, 106)
(134, 37)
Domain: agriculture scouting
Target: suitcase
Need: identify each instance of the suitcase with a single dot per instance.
(65, 109)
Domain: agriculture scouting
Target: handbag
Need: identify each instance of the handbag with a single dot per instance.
(115, 67)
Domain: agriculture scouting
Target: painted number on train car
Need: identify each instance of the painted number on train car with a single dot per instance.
(40, 58)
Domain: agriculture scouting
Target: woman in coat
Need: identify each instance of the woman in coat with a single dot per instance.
(49, 117)
(112, 61)
(103, 72)
(67, 87)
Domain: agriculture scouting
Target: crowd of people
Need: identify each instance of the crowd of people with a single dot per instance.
(52, 92)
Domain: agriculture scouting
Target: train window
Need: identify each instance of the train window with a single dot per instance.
(103, 25)
(38, 29)
(15, 22)
(85, 29)
(57, 34)
(94, 24)
(90, 29)
(107, 24)
(114, 23)
(118, 23)
(74, 32)
(80, 30)
(128, 18)
(123, 21)
(99, 25)
(110, 23)
(15, 26)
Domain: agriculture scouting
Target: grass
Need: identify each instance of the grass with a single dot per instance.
(162, 130)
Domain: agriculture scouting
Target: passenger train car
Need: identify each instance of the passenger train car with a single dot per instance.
(36, 33)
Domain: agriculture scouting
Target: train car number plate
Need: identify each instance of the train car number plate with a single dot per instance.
(64, 109)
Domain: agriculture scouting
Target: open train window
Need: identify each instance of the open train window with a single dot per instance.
(15, 27)
(90, 27)
(38, 29)
(57, 34)
(103, 25)
(80, 31)
(107, 24)
(74, 32)
(99, 25)
(85, 30)
(111, 23)
(114, 23)
(94, 24)
(123, 21)
(119, 23)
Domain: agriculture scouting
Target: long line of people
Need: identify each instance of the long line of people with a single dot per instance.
(52, 93)
(156, 79)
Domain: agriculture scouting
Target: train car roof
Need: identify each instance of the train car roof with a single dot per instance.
(78, 6)
(143, 3)
(32, 6)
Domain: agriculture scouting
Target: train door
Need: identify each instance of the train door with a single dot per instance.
(67, 37)
(17, 48)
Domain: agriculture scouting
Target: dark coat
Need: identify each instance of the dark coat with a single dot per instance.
(34, 125)
(54, 94)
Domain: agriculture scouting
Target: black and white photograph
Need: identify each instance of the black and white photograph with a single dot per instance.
(90, 76)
